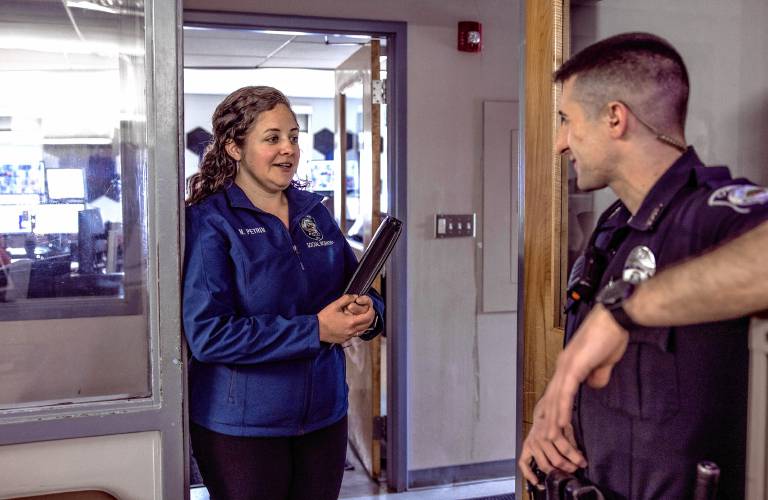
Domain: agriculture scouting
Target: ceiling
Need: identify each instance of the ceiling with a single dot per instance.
(208, 48)
(84, 36)
(216, 60)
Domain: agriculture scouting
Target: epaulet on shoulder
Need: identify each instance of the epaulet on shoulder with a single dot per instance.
(714, 176)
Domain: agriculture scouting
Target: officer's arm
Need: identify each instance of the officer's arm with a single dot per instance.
(725, 283)
(728, 282)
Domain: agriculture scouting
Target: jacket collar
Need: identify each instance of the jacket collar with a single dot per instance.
(299, 201)
(663, 192)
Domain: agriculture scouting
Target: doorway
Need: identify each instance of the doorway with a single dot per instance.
(301, 56)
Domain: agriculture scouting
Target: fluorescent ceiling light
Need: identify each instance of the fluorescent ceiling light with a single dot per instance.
(135, 10)
(287, 33)
(84, 4)
(292, 82)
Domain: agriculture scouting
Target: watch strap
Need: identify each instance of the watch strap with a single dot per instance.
(622, 318)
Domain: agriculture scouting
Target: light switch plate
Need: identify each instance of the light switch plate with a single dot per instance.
(454, 225)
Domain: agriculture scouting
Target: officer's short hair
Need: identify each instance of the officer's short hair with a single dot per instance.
(642, 70)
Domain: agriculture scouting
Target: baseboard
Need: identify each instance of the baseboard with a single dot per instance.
(461, 473)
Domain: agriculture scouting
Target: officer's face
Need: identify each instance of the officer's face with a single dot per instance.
(270, 155)
(583, 141)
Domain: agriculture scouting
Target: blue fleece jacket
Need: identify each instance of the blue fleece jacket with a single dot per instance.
(252, 291)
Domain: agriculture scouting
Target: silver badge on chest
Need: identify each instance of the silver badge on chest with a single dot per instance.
(640, 265)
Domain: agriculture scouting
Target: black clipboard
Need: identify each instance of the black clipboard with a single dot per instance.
(374, 256)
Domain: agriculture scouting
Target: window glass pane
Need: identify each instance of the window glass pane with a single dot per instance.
(72, 181)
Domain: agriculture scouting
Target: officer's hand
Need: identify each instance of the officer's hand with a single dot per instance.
(594, 350)
(360, 305)
(560, 452)
(337, 326)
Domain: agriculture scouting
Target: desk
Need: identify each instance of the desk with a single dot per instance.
(89, 285)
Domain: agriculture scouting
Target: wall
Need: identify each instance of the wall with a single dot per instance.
(57, 466)
(461, 364)
(723, 45)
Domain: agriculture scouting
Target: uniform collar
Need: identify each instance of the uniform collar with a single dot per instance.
(299, 201)
(664, 191)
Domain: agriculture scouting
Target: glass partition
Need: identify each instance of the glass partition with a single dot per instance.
(73, 182)
(72, 158)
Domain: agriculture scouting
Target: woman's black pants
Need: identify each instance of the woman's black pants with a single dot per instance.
(304, 467)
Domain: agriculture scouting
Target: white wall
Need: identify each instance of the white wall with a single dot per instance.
(127, 466)
(462, 374)
(461, 364)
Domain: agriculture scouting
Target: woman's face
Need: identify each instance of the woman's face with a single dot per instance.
(270, 154)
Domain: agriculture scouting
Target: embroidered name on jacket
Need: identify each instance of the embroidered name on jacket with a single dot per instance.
(324, 243)
(252, 230)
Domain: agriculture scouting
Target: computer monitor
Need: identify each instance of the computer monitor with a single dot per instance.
(65, 183)
(91, 240)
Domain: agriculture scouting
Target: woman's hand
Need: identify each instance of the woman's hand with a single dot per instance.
(343, 319)
(360, 305)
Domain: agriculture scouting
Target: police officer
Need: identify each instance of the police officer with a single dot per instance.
(659, 399)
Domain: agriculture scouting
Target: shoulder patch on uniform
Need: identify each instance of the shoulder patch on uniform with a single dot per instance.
(739, 197)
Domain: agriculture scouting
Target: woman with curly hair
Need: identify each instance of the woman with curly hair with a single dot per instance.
(265, 268)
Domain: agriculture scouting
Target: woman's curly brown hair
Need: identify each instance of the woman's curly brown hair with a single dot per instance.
(232, 120)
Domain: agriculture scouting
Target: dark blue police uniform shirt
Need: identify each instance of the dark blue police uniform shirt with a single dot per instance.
(252, 291)
(679, 395)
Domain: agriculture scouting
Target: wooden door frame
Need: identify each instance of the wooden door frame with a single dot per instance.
(363, 358)
(397, 310)
(543, 208)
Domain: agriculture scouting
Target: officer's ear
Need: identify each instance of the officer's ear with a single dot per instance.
(616, 118)
(232, 150)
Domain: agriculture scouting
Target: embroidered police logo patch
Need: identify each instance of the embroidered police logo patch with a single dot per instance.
(739, 197)
(309, 226)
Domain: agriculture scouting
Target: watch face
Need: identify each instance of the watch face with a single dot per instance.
(614, 292)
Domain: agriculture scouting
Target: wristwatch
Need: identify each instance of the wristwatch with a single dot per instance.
(613, 296)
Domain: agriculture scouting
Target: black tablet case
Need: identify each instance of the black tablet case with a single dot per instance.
(374, 256)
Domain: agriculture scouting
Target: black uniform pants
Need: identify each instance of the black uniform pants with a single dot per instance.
(304, 467)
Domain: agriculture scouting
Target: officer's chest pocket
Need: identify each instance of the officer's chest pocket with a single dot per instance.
(644, 384)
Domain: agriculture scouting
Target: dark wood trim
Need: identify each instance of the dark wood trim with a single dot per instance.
(546, 40)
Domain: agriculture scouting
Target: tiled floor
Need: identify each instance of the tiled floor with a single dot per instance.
(357, 486)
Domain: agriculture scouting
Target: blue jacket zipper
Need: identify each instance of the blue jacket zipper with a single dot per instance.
(296, 251)
(308, 377)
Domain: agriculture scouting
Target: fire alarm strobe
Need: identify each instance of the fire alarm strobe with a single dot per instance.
(470, 36)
